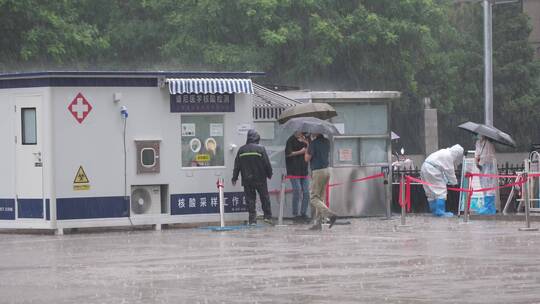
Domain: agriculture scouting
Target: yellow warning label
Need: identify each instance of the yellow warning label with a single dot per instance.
(80, 177)
(202, 157)
(81, 187)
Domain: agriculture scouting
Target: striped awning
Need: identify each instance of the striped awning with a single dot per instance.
(209, 85)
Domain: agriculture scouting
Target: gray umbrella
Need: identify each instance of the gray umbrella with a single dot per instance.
(489, 132)
(320, 110)
(310, 125)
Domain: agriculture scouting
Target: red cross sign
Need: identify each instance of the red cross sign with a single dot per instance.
(80, 107)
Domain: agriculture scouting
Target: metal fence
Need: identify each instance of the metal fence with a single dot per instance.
(418, 198)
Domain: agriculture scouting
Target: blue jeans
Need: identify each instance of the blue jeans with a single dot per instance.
(300, 186)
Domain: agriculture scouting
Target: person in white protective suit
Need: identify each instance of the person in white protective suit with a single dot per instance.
(439, 170)
(484, 155)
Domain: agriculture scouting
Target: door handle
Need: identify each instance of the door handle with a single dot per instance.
(37, 155)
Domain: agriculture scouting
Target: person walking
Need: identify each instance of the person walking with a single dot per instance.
(253, 164)
(297, 169)
(439, 170)
(484, 156)
(317, 155)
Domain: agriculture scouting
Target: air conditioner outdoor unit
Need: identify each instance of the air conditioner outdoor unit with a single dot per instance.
(145, 200)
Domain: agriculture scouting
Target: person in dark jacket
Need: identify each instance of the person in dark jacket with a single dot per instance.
(297, 170)
(253, 164)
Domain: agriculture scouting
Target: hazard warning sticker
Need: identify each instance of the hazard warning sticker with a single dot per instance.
(81, 181)
(80, 107)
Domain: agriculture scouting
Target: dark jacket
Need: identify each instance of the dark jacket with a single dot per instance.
(296, 165)
(252, 162)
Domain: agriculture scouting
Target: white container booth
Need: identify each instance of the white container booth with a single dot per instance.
(92, 149)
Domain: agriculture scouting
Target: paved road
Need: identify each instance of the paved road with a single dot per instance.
(368, 261)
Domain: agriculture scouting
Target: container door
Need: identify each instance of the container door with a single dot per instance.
(29, 165)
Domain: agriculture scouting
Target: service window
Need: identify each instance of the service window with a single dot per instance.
(362, 119)
(147, 156)
(359, 151)
(202, 140)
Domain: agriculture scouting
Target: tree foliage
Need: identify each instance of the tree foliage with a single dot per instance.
(419, 47)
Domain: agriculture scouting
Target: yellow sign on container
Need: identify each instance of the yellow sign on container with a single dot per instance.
(81, 181)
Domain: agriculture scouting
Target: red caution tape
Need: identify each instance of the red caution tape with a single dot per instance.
(407, 202)
(219, 185)
(469, 191)
(295, 177)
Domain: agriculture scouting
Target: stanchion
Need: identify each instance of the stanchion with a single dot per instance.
(467, 204)
(220, 183)
(281, 201)
(527, 202)
(222, 227)
(221, 191)
(403, 203)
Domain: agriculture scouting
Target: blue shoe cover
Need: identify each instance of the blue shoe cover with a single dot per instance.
(489, 206)
(432, 207)
(440, 208)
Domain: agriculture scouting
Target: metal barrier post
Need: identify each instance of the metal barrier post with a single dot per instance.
(527, 202)
(281, 200)
(220, 183)
(467, 206)
(403, 203)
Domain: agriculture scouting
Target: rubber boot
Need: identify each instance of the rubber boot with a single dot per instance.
(432, 207)
(441, 208)
(489, 206)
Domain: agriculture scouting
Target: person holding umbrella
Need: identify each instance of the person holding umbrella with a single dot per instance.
(296, 166)
(484, 156)
(317, 156)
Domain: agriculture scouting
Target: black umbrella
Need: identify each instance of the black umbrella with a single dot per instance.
(320, 110)
(310, 125)
(489, 132)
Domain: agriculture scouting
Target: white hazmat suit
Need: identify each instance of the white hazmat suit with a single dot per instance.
(439, 170)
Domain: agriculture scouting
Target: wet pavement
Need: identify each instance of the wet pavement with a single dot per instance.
(369, 261)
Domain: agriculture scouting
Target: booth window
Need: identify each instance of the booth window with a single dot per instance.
(359, 151)
(202, 140)
(147, 156)
(28, 126)
(362, 119)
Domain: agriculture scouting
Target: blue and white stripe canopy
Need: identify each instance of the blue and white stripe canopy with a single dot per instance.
(209, 85)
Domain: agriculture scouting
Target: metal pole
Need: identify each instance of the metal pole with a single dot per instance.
(527, 200)
(488, 63)
(403, 203)
(281, 200)
(221, 202)
(467, 202)
(387, 185)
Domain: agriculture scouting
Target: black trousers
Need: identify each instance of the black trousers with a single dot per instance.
(250, 192)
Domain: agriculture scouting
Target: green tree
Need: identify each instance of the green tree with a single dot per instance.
(46, 33)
